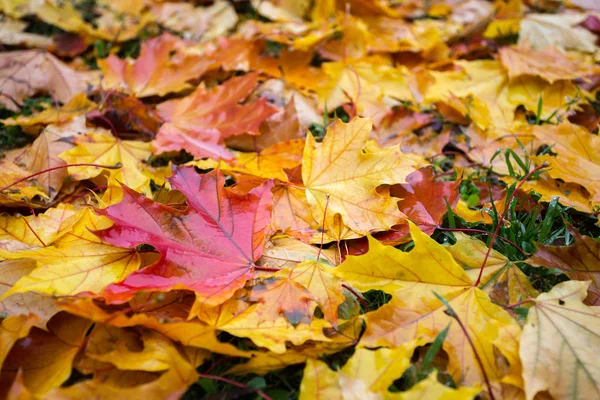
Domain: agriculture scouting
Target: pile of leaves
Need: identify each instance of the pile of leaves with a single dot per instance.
(319, 199)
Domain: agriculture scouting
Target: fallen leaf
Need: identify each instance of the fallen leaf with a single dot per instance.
(558, 336)
(413, 312)
(501, 279)
(196, 23)
(283, 297)
(171, 384)
(25, 72)
(166, 314)
(342, 177)
(45, 358)
(201, 121)
(221, 227)
(431, 388)
(24, 304)
(12, 329)
(105, 149)
(128, 350)
(579, 261)
(561, 30)
(78, 262)
(425, 201)
(550, 64)
(77, 105)
(164, 66)
(12, 32)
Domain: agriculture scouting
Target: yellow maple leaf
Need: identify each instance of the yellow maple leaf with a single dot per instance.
(558, 337)
(77, 262)
(340, 175)
(105, 149)
(414, 312)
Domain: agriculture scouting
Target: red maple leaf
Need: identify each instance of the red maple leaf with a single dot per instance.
(210, 247)
(200, 122)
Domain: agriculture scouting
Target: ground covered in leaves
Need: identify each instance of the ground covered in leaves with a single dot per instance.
(359, 199)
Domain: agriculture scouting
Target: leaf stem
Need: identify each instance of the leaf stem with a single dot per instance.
(502, 218)
(116, 166)
(452, 314)
(358, 297)
(520, 303)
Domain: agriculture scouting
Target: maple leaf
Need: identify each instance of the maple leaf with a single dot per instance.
(413, 312)
(270, 163)
(265, 362)
(290, 215)
(285, 252)
(367, 374)
(562, 31)
(501, 279)
(12, 329)
(424, 201)
(164, 66)
(165, 313)
(488, 82)
(181, 373)
(45, 358)
(366, 84)
(201, 121)
(341, 176)
(579, 261)
(272, 334)
(321, 283)
(431, 388)
(12, 32)
(24, 73)
(283, 296)
(105, 149)
(24, 304)
(578, 164)
(75, 263)
(210, 247)
(558, 336)
(77, 105)
(122, 349)
(550, 64)
(18, 233)
(111, 22)
(196, 23)
(569, 194)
